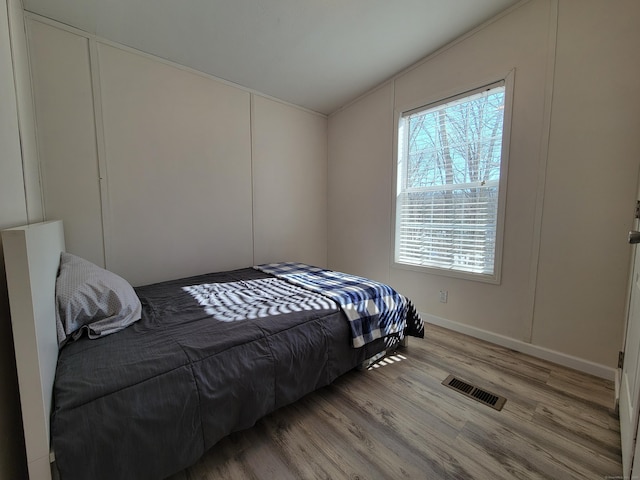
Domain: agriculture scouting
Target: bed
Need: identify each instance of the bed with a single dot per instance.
(209, 355)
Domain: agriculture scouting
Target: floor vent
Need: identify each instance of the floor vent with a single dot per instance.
(471, 391)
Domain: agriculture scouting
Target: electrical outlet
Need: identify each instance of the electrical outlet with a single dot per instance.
(444, 296)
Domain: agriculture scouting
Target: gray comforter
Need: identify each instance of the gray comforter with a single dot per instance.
(148, 401)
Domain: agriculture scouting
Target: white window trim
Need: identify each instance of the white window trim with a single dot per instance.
(509, 80)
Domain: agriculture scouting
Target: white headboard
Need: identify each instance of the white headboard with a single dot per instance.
(32, 257)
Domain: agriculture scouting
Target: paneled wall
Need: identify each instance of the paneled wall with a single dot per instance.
(178, 169)
(162, 172)
(26, 119)
(360, 171)
(61, 70)
(518, 41)
(592, 177)
(286, 224)
(573, 168)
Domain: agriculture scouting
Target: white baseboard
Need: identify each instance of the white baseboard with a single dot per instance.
(554, 356)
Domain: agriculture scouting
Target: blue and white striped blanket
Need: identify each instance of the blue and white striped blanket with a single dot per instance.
(374, 309)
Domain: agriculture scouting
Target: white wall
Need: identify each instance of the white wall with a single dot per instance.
(165, 172)
(66, 135)
(360, 149)
(565, 261)
(594, 153)
(26, 119)
(516, 41)
(178, 169)
(17, 206)
(290, 184)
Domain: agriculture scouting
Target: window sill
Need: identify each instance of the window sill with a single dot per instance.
(474, 277)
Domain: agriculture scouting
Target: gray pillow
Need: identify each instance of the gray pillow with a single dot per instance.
(91, 299)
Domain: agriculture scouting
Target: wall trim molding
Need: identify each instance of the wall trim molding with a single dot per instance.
(527, 333)
(543, 353)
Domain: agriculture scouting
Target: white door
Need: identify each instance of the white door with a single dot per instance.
(630, 378)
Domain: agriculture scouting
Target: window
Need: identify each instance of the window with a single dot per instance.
(450, 184)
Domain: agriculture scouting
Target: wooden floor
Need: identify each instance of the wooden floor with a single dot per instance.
(397, 421)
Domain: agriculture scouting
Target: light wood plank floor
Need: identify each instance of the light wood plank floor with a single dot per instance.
(397, 421)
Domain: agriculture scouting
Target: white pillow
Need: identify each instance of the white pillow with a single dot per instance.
(92, 299)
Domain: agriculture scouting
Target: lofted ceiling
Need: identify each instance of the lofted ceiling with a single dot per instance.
(318, 54)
